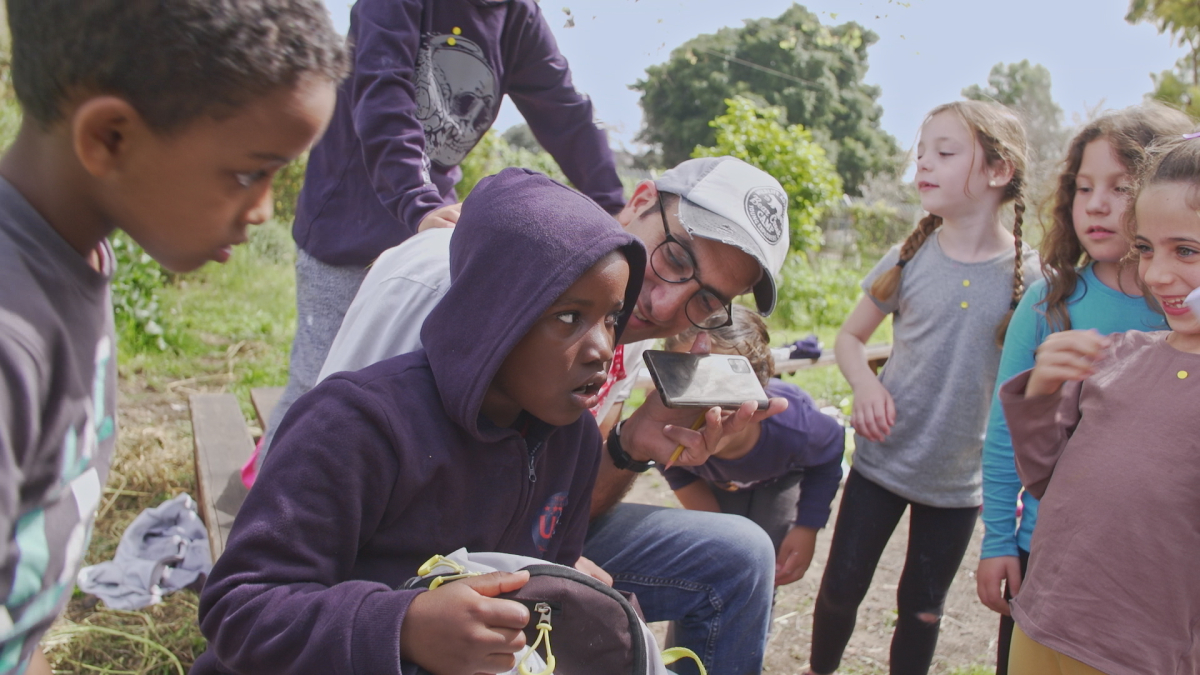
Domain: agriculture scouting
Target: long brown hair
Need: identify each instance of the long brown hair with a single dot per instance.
(1000, 134)
(1129, 132)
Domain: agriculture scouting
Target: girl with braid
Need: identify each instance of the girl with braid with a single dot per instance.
(951, 287)
(1085, 286)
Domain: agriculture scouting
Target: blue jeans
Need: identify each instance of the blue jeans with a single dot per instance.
(712, 574)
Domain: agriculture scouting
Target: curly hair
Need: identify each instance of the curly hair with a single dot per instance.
(172, 60)
(999, 132)
(1128, 132)
(747, 335)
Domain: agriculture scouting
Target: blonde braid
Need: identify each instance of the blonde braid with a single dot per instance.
(1018, 268)
(889, 282)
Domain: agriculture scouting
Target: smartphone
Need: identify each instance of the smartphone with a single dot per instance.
(704, 380)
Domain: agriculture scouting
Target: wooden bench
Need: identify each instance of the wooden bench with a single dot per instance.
(222, 445)
(877, 355)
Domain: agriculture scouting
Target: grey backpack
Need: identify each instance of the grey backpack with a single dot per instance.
(578, 625)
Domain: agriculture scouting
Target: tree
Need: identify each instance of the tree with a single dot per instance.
(1180, 18)
(521, 136)
(1025, 87)
(757, 135)
(811, 71)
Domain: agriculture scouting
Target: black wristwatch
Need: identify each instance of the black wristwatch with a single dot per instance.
(620, 458)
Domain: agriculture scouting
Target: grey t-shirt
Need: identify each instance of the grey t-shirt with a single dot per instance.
(57, 421)
(941, 373)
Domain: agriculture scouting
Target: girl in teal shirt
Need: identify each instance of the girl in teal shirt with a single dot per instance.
(1085, 286)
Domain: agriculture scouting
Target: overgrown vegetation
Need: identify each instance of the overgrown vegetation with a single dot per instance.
(814, 72)
(761, 136)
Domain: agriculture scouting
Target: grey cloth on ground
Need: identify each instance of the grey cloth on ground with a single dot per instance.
(940, 374)
(323, 295)
(163, 550)
(772, 507)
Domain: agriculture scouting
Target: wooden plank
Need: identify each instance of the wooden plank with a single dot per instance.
(222, 444)
(877, 355)
(264, 400)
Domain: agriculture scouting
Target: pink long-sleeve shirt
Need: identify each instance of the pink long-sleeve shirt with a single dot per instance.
(1114, 572)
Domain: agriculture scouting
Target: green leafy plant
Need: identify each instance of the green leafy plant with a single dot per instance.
(140, 321)
(760, 136)
(811, 70)
(285, 188)
(877, 226)
(494, 153)
(816, 294)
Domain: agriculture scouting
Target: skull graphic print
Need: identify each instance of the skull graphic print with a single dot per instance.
(456, 97)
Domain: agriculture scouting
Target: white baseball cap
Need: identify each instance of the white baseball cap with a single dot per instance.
(727, 200)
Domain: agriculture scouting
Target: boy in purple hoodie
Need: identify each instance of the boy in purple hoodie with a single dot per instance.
(479, 441)
(427, 82)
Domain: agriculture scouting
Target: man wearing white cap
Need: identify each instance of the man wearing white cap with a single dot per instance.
(715, 228)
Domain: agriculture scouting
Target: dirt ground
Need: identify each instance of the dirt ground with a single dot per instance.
(968, 638)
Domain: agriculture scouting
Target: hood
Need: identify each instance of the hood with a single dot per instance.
(522, 239)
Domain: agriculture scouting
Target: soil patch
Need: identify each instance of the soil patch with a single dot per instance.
(968, 638)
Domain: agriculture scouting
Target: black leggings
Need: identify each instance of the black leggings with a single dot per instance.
(937, 540)
(1004, 642)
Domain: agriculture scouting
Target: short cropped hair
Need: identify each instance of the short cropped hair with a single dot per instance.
(172, 60)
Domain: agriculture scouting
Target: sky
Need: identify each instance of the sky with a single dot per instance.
(928, 50)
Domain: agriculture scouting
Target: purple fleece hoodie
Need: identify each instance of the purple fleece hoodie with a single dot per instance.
(376, 471)
(427, 82)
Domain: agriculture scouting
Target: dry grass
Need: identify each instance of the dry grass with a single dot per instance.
(152, 463)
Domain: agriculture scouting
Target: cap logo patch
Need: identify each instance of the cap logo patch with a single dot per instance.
(766, 208)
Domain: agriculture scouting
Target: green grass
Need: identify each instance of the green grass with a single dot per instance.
(231, 324)
(826, 384)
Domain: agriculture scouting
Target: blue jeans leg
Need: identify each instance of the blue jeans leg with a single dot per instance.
(712, 574)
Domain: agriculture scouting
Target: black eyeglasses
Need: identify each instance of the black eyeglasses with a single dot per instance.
(673, 263)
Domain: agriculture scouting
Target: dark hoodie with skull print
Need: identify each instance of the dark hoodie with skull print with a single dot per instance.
(376, 471)
(428, 78)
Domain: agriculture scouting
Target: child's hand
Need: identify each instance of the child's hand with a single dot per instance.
(989, 576)
(593, 570)
(874, 411)
(654, 430)
(795, 555)
(1066, 356)
(461, 628)
(446, 216)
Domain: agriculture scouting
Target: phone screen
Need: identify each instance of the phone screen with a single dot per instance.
(704, 380)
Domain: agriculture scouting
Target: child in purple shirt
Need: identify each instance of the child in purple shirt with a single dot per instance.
(782, 472)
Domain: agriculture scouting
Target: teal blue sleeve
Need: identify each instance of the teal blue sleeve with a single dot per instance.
(1001, 485)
